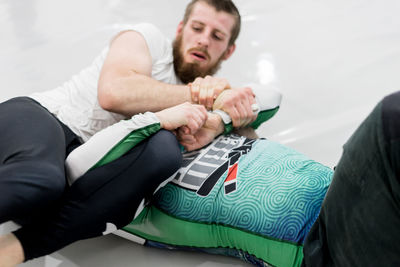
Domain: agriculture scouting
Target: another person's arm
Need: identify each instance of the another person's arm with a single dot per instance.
(212, 128)
(267, 101)
(114, 141)
(239, 102)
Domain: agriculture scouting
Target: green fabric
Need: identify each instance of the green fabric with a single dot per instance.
(228, 128)
(127, 143)
(153, 224)
(262, 117)
(139, 135)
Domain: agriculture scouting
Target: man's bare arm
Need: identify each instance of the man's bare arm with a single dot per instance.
(125, 84)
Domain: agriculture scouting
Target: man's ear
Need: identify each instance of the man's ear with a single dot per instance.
(179, 29)
(229, 51)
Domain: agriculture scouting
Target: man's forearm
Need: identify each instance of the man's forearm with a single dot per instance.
(137, 93)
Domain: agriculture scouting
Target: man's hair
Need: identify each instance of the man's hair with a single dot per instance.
(220, 5)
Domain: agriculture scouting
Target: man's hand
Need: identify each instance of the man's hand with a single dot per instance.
(205, 90)
(205, 135)
(237, 103)
(192, 117)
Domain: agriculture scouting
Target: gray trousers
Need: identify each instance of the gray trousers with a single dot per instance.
(359, 222)
(33, 189)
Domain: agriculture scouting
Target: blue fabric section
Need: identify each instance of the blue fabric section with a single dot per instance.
(278, 194)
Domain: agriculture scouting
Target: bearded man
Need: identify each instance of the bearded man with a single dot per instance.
(139, 72)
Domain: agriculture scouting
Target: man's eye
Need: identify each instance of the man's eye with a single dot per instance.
(216, 37)
(196, 29)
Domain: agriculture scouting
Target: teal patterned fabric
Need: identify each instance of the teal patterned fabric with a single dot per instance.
(278, 194)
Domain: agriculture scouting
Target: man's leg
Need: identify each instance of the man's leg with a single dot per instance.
(360, 216)
(106, 197)
(32, 153)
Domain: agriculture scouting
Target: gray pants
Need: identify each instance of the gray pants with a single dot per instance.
(33, 190)
(359, 222)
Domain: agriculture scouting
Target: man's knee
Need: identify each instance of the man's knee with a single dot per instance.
(391, 129)
(30, 189)
(391, 116)
(165, 150)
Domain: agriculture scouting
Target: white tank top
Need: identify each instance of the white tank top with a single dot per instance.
(75, 102)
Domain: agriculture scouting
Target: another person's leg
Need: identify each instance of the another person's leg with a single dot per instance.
(105, 198)
(360, 216)
(32, 154)
(33, 145)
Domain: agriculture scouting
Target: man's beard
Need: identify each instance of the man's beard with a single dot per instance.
(188, 72)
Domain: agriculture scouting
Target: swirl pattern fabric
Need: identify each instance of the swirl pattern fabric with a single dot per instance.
(278, 194)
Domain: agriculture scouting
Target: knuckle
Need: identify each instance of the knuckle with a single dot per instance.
(229, 102)
(235, 116)
(249, 91)
(234, 98)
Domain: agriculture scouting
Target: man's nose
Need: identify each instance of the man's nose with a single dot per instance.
(204, 39)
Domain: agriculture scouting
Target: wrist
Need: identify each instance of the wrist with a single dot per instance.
(190, 97)
(221, 126)
(226, 121)
(218, 123)
(160, 117)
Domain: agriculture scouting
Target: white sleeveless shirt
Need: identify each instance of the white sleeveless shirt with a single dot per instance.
(75, 102)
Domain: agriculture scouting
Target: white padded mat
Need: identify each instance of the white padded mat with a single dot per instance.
(332, 60)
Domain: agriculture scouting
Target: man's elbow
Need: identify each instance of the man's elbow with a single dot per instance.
(107, 97)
